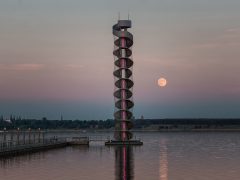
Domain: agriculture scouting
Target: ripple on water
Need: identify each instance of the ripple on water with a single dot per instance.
(164, 156)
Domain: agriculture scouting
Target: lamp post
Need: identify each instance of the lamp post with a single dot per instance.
(4, 137)
(24, 137)
(39, 134)
(11, 138)
(29, 135)
(43, 136)
(18, 136)
(34, 137)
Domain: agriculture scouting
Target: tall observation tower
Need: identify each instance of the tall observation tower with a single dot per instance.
(123, 63)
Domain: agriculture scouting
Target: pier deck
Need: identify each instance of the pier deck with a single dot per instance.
(14, 149)
(17, 146)
(19, 142)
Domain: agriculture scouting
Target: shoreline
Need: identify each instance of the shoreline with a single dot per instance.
(139, 130)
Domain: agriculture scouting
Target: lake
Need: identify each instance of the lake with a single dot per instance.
(164, 156)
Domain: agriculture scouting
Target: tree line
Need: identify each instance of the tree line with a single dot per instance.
(44, 123)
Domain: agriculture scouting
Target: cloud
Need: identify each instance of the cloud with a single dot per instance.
(217, 44)
(229, 38)
(74, 66)
(21, 67)
(233, 30)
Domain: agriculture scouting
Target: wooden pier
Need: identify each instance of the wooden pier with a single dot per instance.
(78, 141)
(19, 142)
(15, 149)
(124, 143)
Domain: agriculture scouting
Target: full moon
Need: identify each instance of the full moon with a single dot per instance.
(162, 82)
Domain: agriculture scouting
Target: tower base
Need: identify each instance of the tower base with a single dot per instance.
(117, 143)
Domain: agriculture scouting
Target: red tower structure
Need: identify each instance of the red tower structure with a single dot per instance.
(123, 63)
(123, 41)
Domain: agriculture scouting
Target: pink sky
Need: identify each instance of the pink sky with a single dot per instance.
(62, 52)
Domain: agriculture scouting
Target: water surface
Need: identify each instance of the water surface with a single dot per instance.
(164, 156)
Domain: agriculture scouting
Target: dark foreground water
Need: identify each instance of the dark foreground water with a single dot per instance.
(164, 156)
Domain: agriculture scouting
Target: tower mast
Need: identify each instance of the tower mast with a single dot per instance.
(123, 63)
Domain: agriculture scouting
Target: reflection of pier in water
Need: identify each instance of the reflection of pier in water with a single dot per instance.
(163, 161)
(124, 163)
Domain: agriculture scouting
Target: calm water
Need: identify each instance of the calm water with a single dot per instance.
(164, 156)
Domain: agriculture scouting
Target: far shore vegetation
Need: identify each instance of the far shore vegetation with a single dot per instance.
(186, 124)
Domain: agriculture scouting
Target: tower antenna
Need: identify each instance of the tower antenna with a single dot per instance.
(119, 16)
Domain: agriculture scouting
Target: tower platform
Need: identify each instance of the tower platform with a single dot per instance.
(117, 143)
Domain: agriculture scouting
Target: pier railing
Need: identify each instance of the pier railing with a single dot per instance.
(20, 141)
(19, 145)
(99, 138)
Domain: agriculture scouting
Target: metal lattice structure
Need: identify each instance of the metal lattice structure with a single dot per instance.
(123, 41)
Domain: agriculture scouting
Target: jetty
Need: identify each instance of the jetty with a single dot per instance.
(19, 142)
(16, 142)
(12, 148)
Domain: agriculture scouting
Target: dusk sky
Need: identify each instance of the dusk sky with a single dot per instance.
(56, 58)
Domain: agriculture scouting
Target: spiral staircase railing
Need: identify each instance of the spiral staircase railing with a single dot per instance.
(123, 41)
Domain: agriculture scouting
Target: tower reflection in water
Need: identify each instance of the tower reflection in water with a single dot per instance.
(124, 163)
(163, 161)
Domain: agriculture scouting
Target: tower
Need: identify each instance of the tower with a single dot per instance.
(123, 84)
(123, 41)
